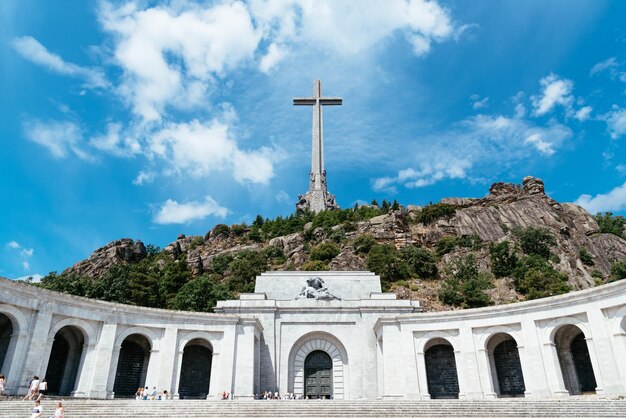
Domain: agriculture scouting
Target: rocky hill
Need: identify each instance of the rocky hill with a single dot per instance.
(445, 234)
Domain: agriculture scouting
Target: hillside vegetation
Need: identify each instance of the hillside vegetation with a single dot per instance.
(514, 244)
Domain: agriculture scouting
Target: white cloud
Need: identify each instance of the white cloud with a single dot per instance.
(33, 51)
(172, 212)
(35, 278)
(616, 122)
(59, 137)
(201, 148)
(275, 53)
(621, 168)
(13, 244)
(555, 91)
(615, 200)
(27, 252)
(283, 197)
(608, 64)
(26, 265)
(116, 143)
(478, 103)
(538, 142)
(170, 54)
(473, 147)
(144, 177)
(583, 113)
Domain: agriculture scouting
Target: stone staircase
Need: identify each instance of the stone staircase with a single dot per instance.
(568, 407)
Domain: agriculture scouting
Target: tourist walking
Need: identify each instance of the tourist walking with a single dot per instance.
(60, 411)
(2, 384)
(33, 389)
(37, 411)
(43, 388)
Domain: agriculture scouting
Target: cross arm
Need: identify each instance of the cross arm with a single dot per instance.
(330, 101)
(304, 101)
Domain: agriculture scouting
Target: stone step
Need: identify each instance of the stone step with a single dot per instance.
(583, 406)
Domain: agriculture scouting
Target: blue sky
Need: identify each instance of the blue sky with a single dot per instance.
(146, 119)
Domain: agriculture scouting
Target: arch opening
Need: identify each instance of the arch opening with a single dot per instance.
(574, 359)
(441, 372)
(6, 332)
(64, 361)
(132, 366)
(318, 375)
(506, 368)
(195, 370)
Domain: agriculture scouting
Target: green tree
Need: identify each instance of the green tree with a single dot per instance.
(374, 202)
(503, 258)
(221, 230)
(172, 277)
(152, 250)
(421, 262)
(385, 261)
(364, 243)
(618, 271)
(67, 283)
(326, 251)
(314, 265)
(132, 284)
(533, 240)
(246, 265)
(535, 277)
(465, 285)
(610, 224)
(258, 221)
(219, 264)
(201, 294)
(585, 257)
(446, 245)
(433, 212)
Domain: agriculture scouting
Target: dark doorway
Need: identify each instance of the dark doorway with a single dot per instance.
(6, 330)
(508, 368)
(443, 381)
(318, 374)
(195, 370)
(132, 366)
(574, 360)
(64, 362)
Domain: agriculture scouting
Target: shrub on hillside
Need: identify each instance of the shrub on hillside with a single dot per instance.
(446, 245)
(610, 224)
(465, 285)
(385, 261)
(585, 257)
(503, 258)
(535, 277)
(314, 265)
(364, 243)
(534, 240)
(434, 212)
(421, 262)
(201, 294)
(618, 271)
(326, 251)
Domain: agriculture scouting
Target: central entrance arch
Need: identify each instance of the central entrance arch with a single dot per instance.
(330, 346)
(505, 365)
(441, 374)
(318, 375)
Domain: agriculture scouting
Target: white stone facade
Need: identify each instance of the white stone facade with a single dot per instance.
(377, 346)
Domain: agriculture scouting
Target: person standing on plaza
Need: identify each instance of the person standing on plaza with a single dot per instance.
(37, 411)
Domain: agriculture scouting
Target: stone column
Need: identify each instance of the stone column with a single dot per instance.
(485, 362)
(168, 373)
(468, 369)
(244, 371)
(422, 378)
(552, 368)
(393, 362)
(105, 363)
(85, 371)
(534, 373)
(603, 359)
(460, 374)
(35, 356)
(18, 349)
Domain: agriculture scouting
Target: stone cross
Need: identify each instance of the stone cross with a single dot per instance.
(317, 198)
